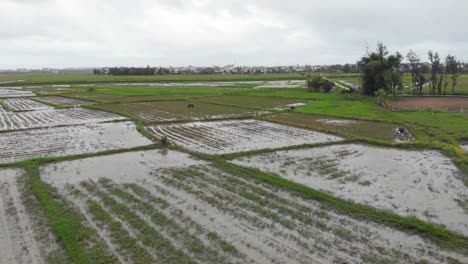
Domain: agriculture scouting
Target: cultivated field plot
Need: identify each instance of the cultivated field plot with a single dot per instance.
(448, 104)
(172, 208)
(253, 101)
(165, 111)
(64, 101)
(18, 231)
(112, 98)
(14, 92)
(25, 104)
(69, 140)
(358, 128)
(230, 136)
(55, 117)
(421, 183)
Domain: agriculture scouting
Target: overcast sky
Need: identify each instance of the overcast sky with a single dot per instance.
(75, 33)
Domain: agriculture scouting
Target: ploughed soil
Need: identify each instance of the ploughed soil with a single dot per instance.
(451, 104)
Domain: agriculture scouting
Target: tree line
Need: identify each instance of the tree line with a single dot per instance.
(383, 71)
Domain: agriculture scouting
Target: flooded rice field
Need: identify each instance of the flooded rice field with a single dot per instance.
(168, 111)
(421, 183)
(341, 126)
(14, 92)
(69, 140)
(20, 238)
(266, 103)
(65, 101)
(175, 208)
(230, 136)
(25, 104)
(54, 117)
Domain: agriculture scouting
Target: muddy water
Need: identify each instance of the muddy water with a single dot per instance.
(14, 92)
(70, 140)
(237, 135)
(17, 240)
(125, 167)
(422, 183)
(63, 101)
(464, 146)
(54, 117)
(25, 104)
(207, 201)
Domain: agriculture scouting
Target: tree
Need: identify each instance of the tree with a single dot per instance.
(437, 72)
(380, 70)
(415, 70)
(452, 68)
(317, 83)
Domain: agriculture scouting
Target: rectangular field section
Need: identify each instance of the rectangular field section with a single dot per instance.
(64, 101)
(14, 92)
(425, 183)
(253, 101)
(70, 140)
(172, 208)
(54, 117)
(167, 111)
(231, 136)
(25, 104)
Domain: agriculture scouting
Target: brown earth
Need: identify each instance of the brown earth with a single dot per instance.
(450, 104)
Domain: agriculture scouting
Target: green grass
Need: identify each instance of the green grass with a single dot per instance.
(78, 240)
(437, 234)
(90, 78)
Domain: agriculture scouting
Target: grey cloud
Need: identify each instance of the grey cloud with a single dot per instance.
(54, 33)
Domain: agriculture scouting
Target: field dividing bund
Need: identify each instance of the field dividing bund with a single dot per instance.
(69, 141)
(231, 136)
(424, 184)
(169, 111)
(25, 104)
(163, 206)
(55, 117)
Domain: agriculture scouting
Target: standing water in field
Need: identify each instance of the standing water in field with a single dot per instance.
(421, 183)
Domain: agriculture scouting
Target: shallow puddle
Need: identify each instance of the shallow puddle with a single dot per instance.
(421, 183)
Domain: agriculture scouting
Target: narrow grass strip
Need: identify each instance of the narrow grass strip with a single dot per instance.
(437, 234)
(66, 223)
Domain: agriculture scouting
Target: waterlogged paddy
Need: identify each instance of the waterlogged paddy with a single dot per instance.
(421, 183)
(25, 104)
(54, 117)
(176, 209)
(167, 111)
(18, 232)
(58, 100)
(14, 92)
(230, 136)
(349, 127)
(69, 140)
